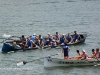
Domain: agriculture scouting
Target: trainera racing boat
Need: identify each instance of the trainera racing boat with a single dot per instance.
(54, 62)
(7, 45)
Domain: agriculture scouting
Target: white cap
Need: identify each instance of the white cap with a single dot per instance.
(83, 50)
(41, 37)
(48, 33)
(34, 34)
(63, 34)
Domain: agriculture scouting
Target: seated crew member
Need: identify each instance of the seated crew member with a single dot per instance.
(62, 39)
(39, 37)
(41, 42)
(79, 54)
(93, 53)
(50, 38)
(57, 38)
(53, 43)
(32, 38)
(36, 41)
(84, 55)
(46, 42)
(28, 43)
(66, 50)
(15, 45)
(97, 54)
(23, 41)
(69, 38)
(76, 36)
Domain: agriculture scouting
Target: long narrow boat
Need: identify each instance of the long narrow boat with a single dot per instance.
(7, 46)
(56, 62)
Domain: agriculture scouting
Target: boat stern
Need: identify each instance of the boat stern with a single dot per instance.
(6, 48)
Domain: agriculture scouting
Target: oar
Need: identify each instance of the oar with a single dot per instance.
(96, 64)
(9, 36)
(24, 62)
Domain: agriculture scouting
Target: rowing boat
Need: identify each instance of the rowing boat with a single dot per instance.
(7, 45)
(56, 62)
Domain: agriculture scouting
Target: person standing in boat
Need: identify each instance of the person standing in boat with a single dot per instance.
(66, 50)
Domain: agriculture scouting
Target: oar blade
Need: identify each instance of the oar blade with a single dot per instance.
(21, 63)
(6, 36)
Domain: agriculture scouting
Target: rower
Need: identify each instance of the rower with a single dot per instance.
(46, 42)
(69, 38)
(15, 45)
(93, 53)
(62, 39)
(32, 37)
(76, 36)
(97, 54)
(23, 41)
(28, 43)
(65, 50)
(84, 55)
(50, 38)
(79, 54)
(57, 38)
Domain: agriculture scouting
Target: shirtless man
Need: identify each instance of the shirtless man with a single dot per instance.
(93, 53)
(97, 54)
(84, 55)
(79, 54)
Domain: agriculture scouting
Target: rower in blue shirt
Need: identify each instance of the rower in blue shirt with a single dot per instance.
(57, 38)
(76, 38)
(32, 38)
(65, 50)
(62, 39)
(28, 43)
(69, 38)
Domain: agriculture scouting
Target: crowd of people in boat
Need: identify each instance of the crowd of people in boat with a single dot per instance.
(81, 55)
(49, 40)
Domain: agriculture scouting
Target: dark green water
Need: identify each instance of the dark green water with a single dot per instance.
(27, 17)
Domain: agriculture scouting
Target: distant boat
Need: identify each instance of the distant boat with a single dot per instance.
(57, 62)
(7, 45)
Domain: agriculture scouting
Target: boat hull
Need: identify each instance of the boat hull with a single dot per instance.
(7, 48)
(54, 62)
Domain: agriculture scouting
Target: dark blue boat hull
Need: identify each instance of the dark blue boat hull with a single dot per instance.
(7, 48)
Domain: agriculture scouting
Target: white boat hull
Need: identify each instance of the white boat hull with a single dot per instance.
(51, 62)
